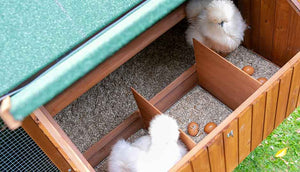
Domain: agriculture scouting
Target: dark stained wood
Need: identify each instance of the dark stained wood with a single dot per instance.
(267, 18)
(112, 63)
(296, 5)
(33, 130)
(281, 31)
(221, 78)
(245, 9)
(255, 24)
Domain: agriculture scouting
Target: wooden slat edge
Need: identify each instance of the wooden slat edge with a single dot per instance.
(57, 136)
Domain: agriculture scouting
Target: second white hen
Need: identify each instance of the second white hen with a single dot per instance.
(157, 152)
(217, 24)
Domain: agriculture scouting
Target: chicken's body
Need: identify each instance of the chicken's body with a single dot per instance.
(217, 24)
(157, 152)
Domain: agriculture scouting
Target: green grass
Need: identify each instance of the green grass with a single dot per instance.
(287, 135)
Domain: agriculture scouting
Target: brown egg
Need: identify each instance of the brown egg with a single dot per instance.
(209, 127)
(248, 69)
(193, 128)
(262, 80)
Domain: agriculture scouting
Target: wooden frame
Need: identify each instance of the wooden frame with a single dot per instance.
(256, 104)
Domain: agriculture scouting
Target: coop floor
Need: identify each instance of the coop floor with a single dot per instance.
(110, 102)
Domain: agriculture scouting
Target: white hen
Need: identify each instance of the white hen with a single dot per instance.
(157, 152)
(217, 24)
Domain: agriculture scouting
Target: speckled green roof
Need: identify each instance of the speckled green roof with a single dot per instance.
(52, 30)
(34, 33)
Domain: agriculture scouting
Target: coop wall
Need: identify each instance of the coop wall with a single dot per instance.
(273, 28)
(240, 133)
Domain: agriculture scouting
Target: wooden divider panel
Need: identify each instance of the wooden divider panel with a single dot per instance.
(245, 123)
(200, 161)
(147, 110)
(283, 96)
(231, 145)
(294, 90)
(271, 105)
(258, 120)
(221, 78)
(216, 154)
(186, 168)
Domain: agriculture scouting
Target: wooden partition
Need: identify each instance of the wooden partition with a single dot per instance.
(242, 131)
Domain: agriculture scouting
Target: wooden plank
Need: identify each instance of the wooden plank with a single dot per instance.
(177, 89)
(245, 123)
(147, 110)
(245, 9)
(58, 138)
(294, 90)
(189, 142)
(296, 5)
(236, 113)
(258, 120)
(281, 32)
(283, 95)
(221, 78)
(231, 145)
(186, 168)
(294, 36)
(112, 63)
(216, 154)
(267, 18)
(200, 161)
(298, 101)
(270, 111)
(33, 130)
(255, 24)
(101, 149)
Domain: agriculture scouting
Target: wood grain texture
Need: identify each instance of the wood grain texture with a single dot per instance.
(296, 5)
(271, 106)
(231, 145)
(281, 32)
(58, 138)
(245, 9)
(115, 61)
(186, 168)
(258, 120)
(294, 36)
(294, 90)
(33, 130)
(101, 149)
(189, 142)
(221, 78)
(283, 95)
(255, 24)
(267, 18)
(244, 128)
(147, 110)
(200, 161)
(254, 97)
(216, 154)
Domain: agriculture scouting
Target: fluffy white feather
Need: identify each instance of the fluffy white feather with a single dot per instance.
(217, 24)
(157, 152)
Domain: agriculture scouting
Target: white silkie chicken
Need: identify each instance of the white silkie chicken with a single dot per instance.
(157, 152)
(217, 24)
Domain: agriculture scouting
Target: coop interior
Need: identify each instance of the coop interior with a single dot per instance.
(165, 74)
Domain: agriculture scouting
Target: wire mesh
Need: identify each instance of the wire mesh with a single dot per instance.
(18, 152)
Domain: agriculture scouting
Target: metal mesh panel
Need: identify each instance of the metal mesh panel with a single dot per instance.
(18, 152)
